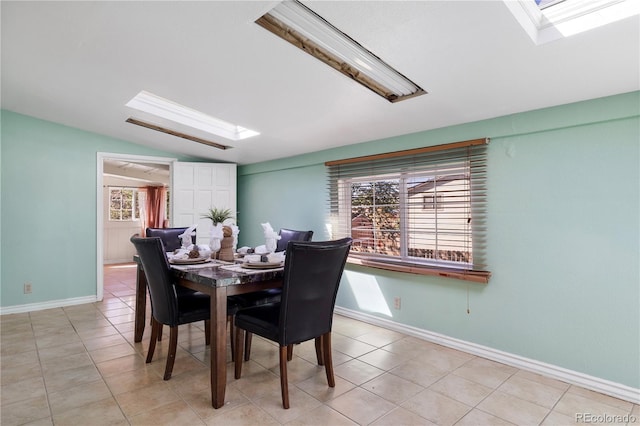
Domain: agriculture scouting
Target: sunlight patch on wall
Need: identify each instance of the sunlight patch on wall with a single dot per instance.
(367, 293)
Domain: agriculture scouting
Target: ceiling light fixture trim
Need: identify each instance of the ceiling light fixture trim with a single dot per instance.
(302, 27)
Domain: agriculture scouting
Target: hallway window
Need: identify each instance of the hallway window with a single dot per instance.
(124, 204)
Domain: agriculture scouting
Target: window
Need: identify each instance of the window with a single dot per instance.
(167, 210)
(543, 4)
(419, 211)
(433, 202)
(124, 203)
(548, 20)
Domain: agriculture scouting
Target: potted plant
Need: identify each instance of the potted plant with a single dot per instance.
(219, 216)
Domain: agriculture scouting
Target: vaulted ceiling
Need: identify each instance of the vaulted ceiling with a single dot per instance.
(79, 63)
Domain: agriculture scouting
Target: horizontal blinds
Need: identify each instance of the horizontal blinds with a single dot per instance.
(423, 206)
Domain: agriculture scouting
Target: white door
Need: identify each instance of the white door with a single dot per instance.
(197, 187)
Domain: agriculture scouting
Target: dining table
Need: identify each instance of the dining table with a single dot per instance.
(219, 280)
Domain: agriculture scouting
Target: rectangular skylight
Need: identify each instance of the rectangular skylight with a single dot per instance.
(548, 20)
(168, 110)
(543, 4)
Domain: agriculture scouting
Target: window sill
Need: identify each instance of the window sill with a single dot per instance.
(474, 276)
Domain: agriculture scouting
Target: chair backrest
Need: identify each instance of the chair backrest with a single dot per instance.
(312, 273)
(287, 235)
(164, 302)
(169, 236)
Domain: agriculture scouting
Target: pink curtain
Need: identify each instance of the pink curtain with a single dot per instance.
(154, 209)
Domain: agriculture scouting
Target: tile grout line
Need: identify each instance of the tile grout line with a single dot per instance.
(44, 381)
(122, 330)
(95, 364)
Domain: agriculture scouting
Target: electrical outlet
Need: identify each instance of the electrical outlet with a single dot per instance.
(396, 302)
(27, 288)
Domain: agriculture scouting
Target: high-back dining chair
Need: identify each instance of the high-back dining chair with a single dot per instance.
(312, 274)
(170, 237)
(273, 294)
(287, 235)
(171, 304)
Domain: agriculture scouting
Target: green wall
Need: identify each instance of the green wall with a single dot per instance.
(48, 210)
(563, 203)
(564, 188)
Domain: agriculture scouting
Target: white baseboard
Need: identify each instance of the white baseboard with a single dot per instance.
(597, 384)
(17, 309)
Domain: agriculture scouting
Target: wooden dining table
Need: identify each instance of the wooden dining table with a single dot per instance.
(218, 283)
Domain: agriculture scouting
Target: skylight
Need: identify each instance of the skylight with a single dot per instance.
(548, 20)
(543, 4)
(173, 112)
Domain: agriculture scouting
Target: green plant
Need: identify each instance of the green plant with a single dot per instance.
(217, 215)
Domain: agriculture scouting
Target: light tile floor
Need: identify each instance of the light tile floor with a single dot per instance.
(79, 366)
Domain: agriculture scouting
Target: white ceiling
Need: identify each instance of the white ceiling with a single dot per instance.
(144, 173)
(79, 63)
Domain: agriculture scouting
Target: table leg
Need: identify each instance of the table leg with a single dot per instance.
(218, 346)
(141, 304)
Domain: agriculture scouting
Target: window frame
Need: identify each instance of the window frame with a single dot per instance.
(341, 208)
(433, 202)
(404, 230)
(135, 203)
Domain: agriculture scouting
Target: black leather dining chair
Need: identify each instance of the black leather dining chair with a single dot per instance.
(171, 304)
(312, 274)
(170, 237)
(272, 295)
(287, 235)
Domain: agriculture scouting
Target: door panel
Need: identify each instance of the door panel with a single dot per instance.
(198, 187)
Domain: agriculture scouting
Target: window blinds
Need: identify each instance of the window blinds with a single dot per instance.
(419, 209)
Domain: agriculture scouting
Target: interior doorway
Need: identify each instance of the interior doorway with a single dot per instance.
(127, 171)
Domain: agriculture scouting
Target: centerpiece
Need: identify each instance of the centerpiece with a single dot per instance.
(222, 234)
